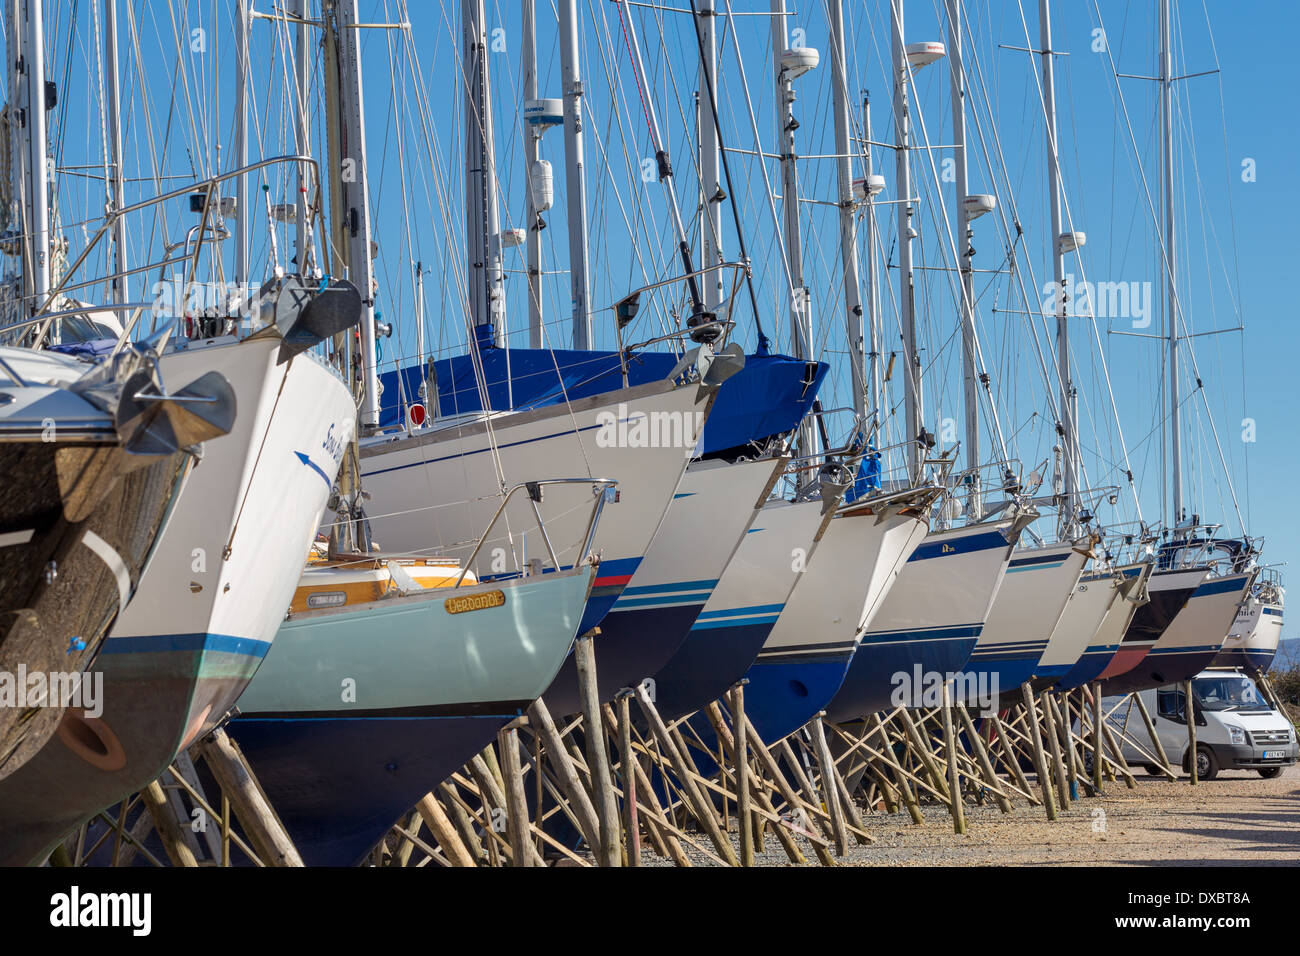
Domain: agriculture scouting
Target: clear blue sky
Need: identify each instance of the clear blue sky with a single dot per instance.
(1237, 239)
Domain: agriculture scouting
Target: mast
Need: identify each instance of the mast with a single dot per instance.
(419, 334)
(482, 222)
(974, 505)
(532, 153)
(786, 124)
(36, 225)
(912, 402)
(242, 210)
(573, 163)
(303, 62)
(873, 287)
(848, 224)
(665, 167)
(1171, 310)
(1069, 465)
(711, 192)
(350, 198)
(120, 287)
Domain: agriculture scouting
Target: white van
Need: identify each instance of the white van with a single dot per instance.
(1236, 727)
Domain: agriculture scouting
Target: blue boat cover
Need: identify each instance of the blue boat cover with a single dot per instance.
(769, 396)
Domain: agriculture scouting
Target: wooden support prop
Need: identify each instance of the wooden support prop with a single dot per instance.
(663, 834)
(444, 831)
(957, 805)
(164, 820)
(1097, 739)
(518, 826)
(1010, 759)
(1189, 707)
(830, 785)
(756, 784)
(923, 752)
(1069, 740)
(566, 774)
(740, 760)
(1117, 755)
(1040, 759)
(700, 808)
(1155, 738)
(900, 777)
(887, 792)
(855, 822)
(822, 814)
(627, 778)
(184, 764)
(450, 798)
(787, 792)
(689, 767)
(1054, 750)
(264, 830)
(607, 851)
(982, 758)
(1062, 711)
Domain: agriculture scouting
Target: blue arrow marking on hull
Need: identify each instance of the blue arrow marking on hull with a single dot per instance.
(306, 460)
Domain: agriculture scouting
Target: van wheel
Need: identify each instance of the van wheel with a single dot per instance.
(1268, 773)
(1207, 765)
(1152, 770)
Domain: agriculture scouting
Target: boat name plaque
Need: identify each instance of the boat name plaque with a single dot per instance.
(475, 602)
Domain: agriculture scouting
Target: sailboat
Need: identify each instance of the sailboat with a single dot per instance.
(806, 657)
(1126, 593)
(97, 455)
(211, 597)
(1211, 576)
(931, 618)
(428, 481)
(1252, 642)
(710, 516)
(362, 706)
(744, 606)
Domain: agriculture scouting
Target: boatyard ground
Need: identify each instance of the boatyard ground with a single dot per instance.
(1238, 819)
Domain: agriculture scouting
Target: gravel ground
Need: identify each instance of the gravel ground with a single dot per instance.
(1239, 818)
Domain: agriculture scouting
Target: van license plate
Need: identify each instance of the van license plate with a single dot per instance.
(1274, 754)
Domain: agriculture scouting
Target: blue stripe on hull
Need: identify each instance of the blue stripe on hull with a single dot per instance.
(870, 680)
(339, 785)
(708, 663)
(187, 643)
(632, 645)
(1090, 664)
(1252, 660)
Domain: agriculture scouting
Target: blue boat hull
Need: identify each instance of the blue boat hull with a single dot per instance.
(1158, 669)
(1252, 660)
(1003, 673)
(708, 663)
(632, 645)
(1091, 664)
(782, 696)
(338, 783)
(869, 686)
